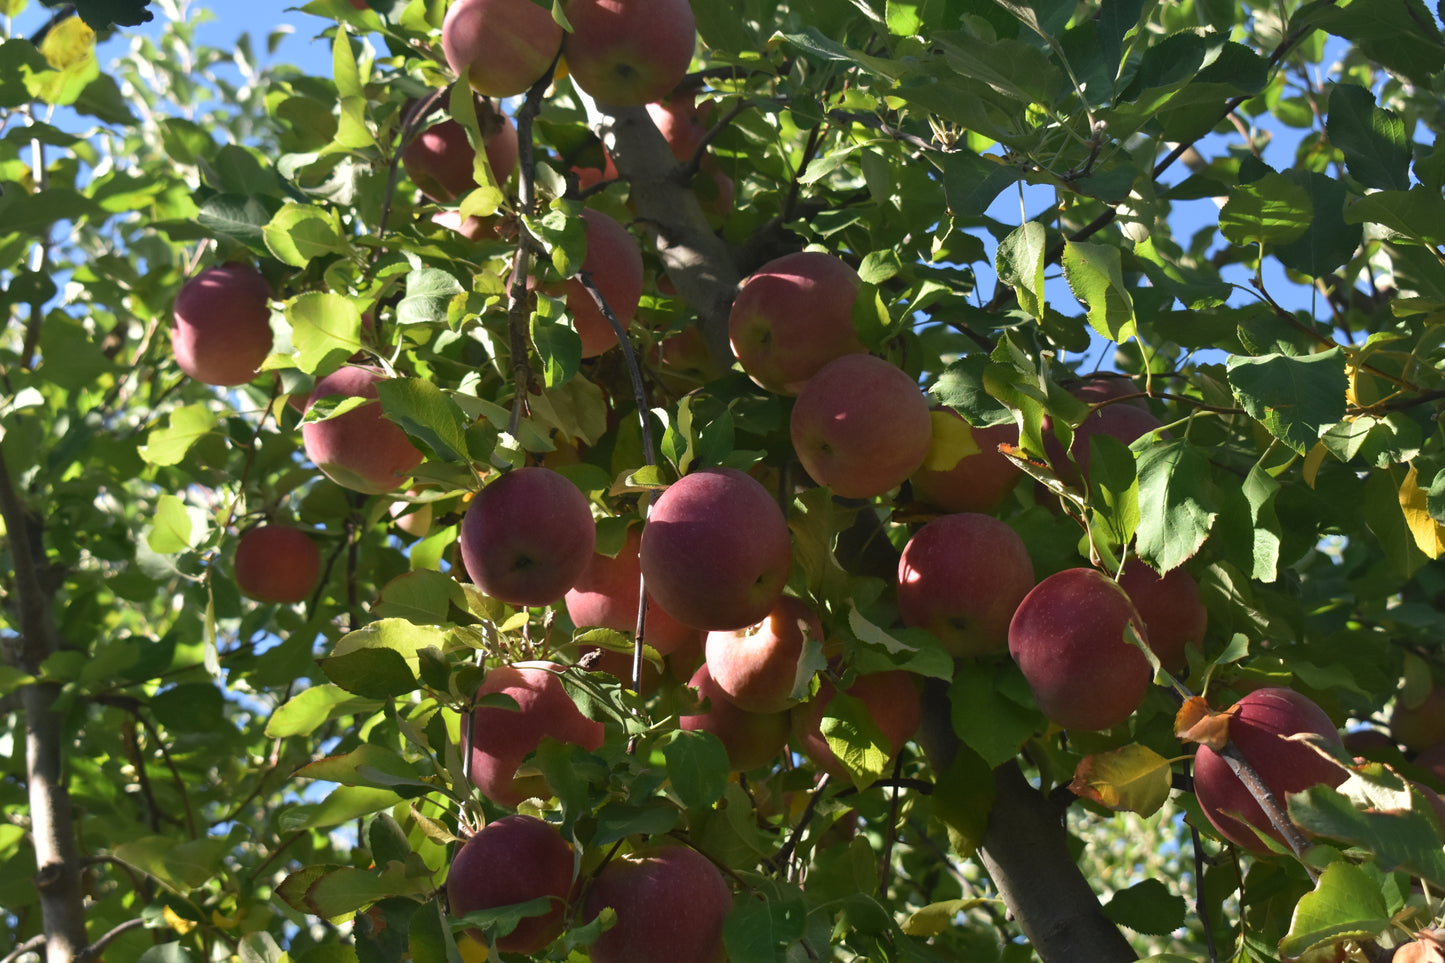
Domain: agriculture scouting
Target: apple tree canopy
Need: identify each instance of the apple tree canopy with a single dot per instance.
(1174, 272)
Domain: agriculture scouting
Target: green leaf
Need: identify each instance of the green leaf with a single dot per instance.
(1176, 503)
(757, 929)
(1415, 215)
(301, 233)
(856, 740)
(1347, 903)
(1373, 140)
(429, 293)
(1096, 276)
(991, 710)
(1113, 487)
(1148, 907)
(367, 765)
(428, 414)
(1400, 34)
(342, 805)
(1399, 840)
(172, 528)
(1297, 398)
(309, 709)
(961, 388)
(185, 426)
(697, 767)
(239, 218)
(1271, 210)
(1331, 241)
(1020, 264)
(325, 330)
(100, 14)
(1260, 490)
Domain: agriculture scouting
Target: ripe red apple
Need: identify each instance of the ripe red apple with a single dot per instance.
(502, 47)
(961, 577)
(978, 481)
(629, 52)
(1067, 637)
(362, 449)
(752, 739)
(792, 316)
(513, 860)
(222, 329)
(1262, 721)
(1123, 421)
(757, 666)
(528, 536)
(670, 903)
(605, 595)
(1173, 615)
(891, 699)
(440, 159)
(277, 563)
(501, 739)
(614, 262)
(861, 426)
(1420, 725)
(680, 121)
(716, 550)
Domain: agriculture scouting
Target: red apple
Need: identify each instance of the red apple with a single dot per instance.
(1262, 722)
(501, 739)
(716, 550)
(1122, 421)
(614, 262)
(670, 903)
(513, 860)
(528, 536)
(1067, 637)
(752, 739)
(222, 329)
(964, 471)
(502, 47)
(961, 577)
(606, 595)
(440, 159)
(629, 52)
(681, 123)
(757, 667)
(277, 563)
(1419, 725)
(892, 701)
(861, 426)
(413, 518)
(1173, 615)
(792, 316)
(362, 449)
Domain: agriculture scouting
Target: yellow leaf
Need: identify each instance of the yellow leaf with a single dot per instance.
(1429, 534)
(1313, 461)
(937, 917)
(176, 922)
(953, 441)
(1130, 779)
(69, 43)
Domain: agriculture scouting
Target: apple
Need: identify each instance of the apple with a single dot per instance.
(440, 159)
(792, 316)
(277, 563)
(964, 471)
(222, 325)
(614, 262)
(680, 122)
(961, 577)
(716, 550)
(629, 52)
(757, 666)
(1173, 615)
(413, 518)
(502, 47)
(752, 739)
(605, 595)
(1107, 386)
(1432, 760)
(1122, 421)
(500, 739)
(513, 860)
(891, 700)
(1421, 724)
(861, 426)
(528, 536)
(1261, 724)
(361, 449)
(1067, 637)
(670, 903)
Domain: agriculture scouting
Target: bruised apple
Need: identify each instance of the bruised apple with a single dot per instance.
(527, 537)
(360, 449)
(1260, 727)
(670, 903)
(605, 595)
(752, 739)
(512, 860)
(222, 325)
(860, 426)
(1067, 637)
(758, 666)
(500, 739)
(277, 563)
(502, 47)
(792, 316)
(961, 577)
(716, 551)
(629, 52)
